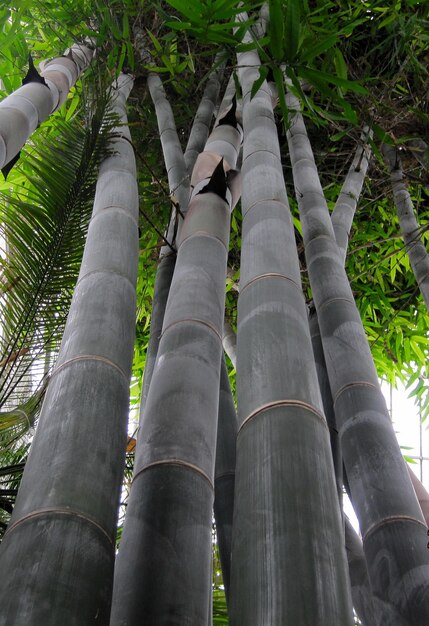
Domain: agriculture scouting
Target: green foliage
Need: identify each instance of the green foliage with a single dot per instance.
(211, 21)
(13, 461)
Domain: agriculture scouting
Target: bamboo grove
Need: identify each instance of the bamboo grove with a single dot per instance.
(213, 247)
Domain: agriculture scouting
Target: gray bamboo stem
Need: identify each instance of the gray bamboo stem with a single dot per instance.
(202, 121)
(63, 528)
(225, 475)
(280, 410)
(170, 506)
(345, 206)
(421, 493)
(178, 181)
(363, 602)
(394, 532)
(175, 165)
(410, 230)
(27, 107)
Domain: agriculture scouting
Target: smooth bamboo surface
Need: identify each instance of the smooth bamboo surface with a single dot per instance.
(59, 548)
(390, 518)
(408, 224)
(27, 107)
(345, 206)
(171, 502)
(225, 475)
(285, 495)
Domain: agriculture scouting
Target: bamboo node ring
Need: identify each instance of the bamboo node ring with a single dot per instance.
(270, 275)
(174, 461)
(61, 511)
(280, 403)
(90, 357)
(192, 320)
(354, 383)
(331, 300)
(391, 519)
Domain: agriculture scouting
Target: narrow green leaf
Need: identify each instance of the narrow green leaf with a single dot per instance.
(252, 45)
(263, 72)
(317, 77)
(340, 64)
(292, 29)
(72, 107)
(155, 41)
(188, 9)
(278, 78)
(317, 49)
(125, 26)
(276, 29)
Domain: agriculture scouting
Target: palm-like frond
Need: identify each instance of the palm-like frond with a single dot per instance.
(13, 462)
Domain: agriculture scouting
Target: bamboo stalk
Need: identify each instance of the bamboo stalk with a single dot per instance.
(27, 107)
(177, 165)
(201, 125)
(63, 530)
(394, 532)
(178, 179)
(328, 405)
(363, 602)
(167, 533)
(342, 219)
(410, 230)
(285, 496)
(229, 343)
(225, 475)
(421, 493)
(345, 206)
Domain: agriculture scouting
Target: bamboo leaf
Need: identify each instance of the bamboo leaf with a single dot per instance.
(317, 77)
(292, 29)
(340, 64)
(315, 50)
(188, 9)
(276, 29)
(263, 73)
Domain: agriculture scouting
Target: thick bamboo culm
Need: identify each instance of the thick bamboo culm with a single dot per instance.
(408, 224)
(285, 486)
(225, 475)
(167, 533)
(27, 107)
(179, 168)
(394, 532)
(345, 206)
(63, 528)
